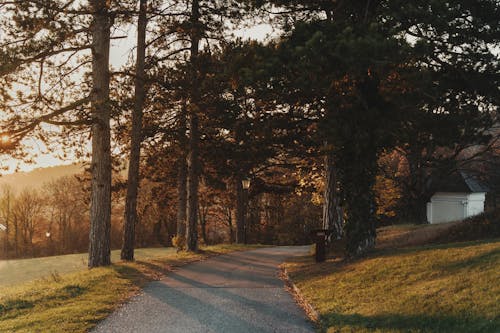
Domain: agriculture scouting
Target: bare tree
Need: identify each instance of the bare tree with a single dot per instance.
(6, 214)
(65, 201)
(27, 209)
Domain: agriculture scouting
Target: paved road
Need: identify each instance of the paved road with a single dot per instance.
(238, 292)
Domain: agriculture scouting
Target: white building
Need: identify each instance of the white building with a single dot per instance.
(458, 198)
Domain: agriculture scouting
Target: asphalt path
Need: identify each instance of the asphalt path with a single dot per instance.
(237, 292)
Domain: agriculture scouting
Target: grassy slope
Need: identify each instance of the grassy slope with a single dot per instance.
(13, 272)
(442, 288)
(76, 302)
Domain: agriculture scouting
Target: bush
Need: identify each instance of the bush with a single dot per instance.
(179, 242)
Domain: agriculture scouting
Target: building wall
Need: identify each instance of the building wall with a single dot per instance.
(475, 204)
(447, 206)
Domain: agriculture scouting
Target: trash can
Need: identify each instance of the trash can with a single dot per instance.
(320, 236)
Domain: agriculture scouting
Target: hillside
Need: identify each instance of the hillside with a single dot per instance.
(421, 278)
(38, 177)
(447, 288)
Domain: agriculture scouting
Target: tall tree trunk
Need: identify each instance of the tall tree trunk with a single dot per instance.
(332, 211)
(193, 156)
(360, 227)
(203, 223)
(182, 176)
(240, 210)
(192, 186)
(130, 221)
(100, 203)
(230, 224)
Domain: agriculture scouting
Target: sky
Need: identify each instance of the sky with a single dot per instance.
(121, 51)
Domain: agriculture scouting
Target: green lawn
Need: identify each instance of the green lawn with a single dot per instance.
(451, 288)
(76, 302)
(13, 272)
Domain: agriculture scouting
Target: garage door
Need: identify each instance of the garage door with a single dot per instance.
(447, 211)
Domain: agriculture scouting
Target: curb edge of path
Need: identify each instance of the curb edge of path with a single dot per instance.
(309, 309)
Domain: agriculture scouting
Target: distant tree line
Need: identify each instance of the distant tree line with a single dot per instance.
(53, 219)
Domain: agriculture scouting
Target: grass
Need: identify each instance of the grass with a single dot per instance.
(442, 288)
(76, 302)
(483, 226)
(24, 270)
(404, 235)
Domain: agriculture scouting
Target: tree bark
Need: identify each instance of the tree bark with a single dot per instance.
(100, 203)
(192, 186)
(361, 229)
(332, 211)
(203, 223)
(193, 156)
(182, 176)
(240, 210)
(229, 215)
(130, 221)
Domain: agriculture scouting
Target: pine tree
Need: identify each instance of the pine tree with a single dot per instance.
(49, 43)
(127, 252)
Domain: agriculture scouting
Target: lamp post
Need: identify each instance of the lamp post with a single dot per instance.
(4, 228)
(49, 239)
(245, 183)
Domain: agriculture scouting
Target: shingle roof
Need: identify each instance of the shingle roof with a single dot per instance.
(461, 181)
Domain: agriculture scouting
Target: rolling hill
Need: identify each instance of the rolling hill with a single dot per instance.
(36, 178)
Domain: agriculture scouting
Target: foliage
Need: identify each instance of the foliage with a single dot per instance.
(179, 242)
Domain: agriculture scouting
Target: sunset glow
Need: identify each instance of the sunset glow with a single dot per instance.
(4, 139)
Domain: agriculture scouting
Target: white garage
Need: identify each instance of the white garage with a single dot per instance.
(459, 197)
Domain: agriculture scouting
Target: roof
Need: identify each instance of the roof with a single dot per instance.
(461, 182)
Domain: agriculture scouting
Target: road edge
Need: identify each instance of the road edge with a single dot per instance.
(308, 308)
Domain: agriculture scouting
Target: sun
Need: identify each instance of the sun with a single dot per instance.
(4, 138)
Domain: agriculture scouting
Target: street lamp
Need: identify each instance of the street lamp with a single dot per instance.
(245, 183)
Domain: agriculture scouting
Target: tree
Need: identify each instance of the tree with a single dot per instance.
(100, 204)
(27, 209)
(130, 221)
(355, 64)
(450, 96)
(184, 82)
(66, 210)
(6, 201)
(53, 41)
